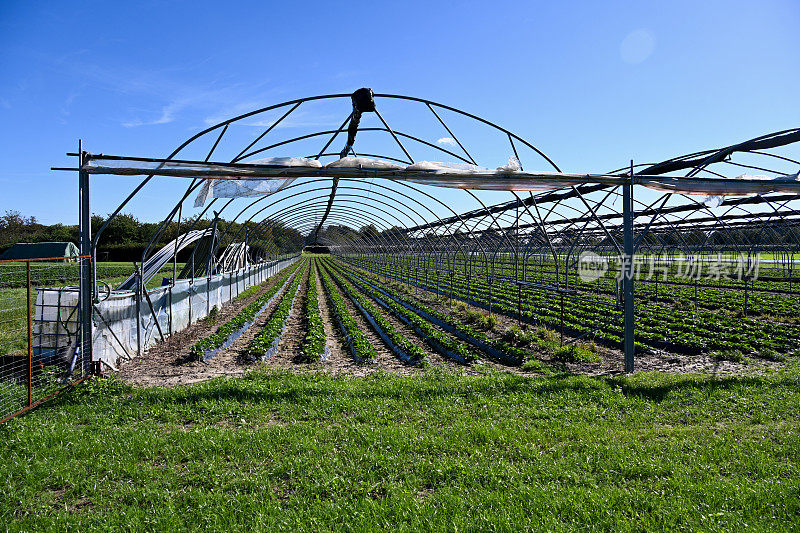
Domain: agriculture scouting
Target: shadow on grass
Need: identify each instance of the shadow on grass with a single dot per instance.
(658, 392)
(283, 387)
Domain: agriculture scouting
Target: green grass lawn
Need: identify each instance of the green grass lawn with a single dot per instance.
(494, 452)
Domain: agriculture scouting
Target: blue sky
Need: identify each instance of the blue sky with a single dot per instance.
(593, 84)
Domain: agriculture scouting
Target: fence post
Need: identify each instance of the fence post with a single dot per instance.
(30, 337)
(628, 271)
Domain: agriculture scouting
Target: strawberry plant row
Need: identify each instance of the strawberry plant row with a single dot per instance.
(361, 349)
(657, 326)
(400, 346)
(406, 308)
(543, 271)
(266, 341)
(496, 348)
(438, 341)
(314, 346)
(224, 335)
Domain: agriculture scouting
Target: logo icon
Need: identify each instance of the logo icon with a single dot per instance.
(591, 266)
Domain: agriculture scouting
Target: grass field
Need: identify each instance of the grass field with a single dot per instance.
(437, 451)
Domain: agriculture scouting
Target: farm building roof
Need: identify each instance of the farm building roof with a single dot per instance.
(40, 250)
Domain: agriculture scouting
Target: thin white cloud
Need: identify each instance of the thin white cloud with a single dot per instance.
(65, 107)
(447, 140)
(167, 116)
(230, 110)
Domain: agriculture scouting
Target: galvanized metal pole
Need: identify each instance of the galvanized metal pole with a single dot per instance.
(138, 295)
(85, 290)
(175, 255)
(30, 337)
(211, 263)
(628, 271)
(246, 260)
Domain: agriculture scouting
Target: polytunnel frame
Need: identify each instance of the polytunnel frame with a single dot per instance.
(694, 162)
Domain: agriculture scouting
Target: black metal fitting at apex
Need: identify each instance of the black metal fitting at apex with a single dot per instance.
(363, 102)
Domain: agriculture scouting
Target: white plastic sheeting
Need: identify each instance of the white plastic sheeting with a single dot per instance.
(155, 263)
(115, 335)
(744, 185)
(508, 177)
(364, 163)
(99, 164)
(446, 168)
(268, 178)
(225, 188)
(234, 257)
(513, 165)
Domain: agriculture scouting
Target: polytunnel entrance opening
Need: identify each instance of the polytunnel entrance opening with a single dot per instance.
(317, 249)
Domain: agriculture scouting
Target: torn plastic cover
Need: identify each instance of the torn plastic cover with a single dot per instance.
(226, 188)
(713, 200)
(513, 165)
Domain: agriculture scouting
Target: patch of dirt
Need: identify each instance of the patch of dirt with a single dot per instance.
(77, 505)
(670, 363)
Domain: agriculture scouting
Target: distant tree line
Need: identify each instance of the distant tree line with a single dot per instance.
(126, 237)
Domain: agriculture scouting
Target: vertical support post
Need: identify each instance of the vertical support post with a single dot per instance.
(211, 263)
(30, 336)
(561, 314)
(190, 288)
(170, 308)
(175, 255)
(658, 263)
(516, 266)
(85, 290)
(247, 259)
(491, 289)
(138, 296)
(628, 270)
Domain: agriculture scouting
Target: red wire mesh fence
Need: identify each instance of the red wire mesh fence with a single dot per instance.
(41, 351)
